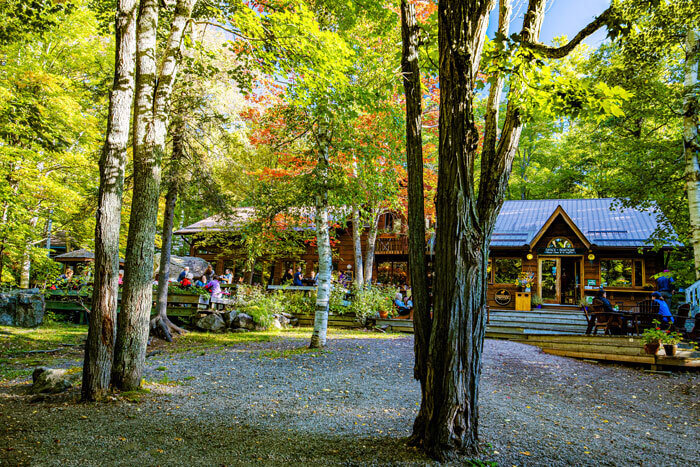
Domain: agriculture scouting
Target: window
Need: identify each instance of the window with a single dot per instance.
(506, 270)
(560, 242)
(621, 273)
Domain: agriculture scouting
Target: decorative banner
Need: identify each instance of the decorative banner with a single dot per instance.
(502, 297)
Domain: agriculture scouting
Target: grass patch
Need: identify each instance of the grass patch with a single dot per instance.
(272, 354)
(16, 343)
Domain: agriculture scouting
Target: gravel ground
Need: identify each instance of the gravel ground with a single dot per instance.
(352, 404)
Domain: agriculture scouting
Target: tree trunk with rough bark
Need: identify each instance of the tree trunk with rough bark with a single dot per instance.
(160, 325)
(410, 34)
(464, 222)
(99, 347)
(153, 90)
(323, 240)
(357, 247)
(691, 137)
(371, 244)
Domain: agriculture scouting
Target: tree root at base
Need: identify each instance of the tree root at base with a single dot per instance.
(162, 328)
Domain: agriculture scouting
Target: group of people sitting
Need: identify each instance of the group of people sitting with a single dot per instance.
(664, 310)
(208, 281)
(297, 278)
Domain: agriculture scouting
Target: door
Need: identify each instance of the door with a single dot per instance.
(549, 275)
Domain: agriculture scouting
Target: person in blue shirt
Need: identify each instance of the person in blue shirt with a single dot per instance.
(664, 311)
(665, 285)
(183, 274)
(298, 276)
(400, 306)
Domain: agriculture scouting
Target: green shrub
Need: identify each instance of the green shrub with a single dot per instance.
(300, 304)
(370, 300)
(336, 301)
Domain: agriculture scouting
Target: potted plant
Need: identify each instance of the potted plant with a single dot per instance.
(536, 301)
(670, 341)
(652, 338)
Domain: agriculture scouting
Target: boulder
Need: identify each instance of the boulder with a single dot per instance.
(282, 319)
(177, 264)
(24, 308)
(243, 320)
(287, 315)
(213, 322)
(229, 316)
(49, 381)
(276, 324)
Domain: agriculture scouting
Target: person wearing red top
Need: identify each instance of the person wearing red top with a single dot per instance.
(187, 281)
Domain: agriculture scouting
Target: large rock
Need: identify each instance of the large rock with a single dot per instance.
(276, 324)
(23, 308)
(213, 322)
(282, 319)
(177, 264)
(243, 320)
(229, 317)
(49, 381)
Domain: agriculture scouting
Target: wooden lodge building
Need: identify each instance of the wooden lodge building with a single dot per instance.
(570, 248)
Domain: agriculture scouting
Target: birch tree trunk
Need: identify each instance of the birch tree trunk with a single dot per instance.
(99, 347)
(371, 244)
(160, 325)
(26, 257)
(691, 137)
(410, 34)
(323, 240)
(151, 115)
(357, 247)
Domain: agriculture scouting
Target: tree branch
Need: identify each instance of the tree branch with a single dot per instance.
(564, 50)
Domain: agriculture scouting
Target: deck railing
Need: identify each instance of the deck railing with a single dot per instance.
(692, 296)
(392, 245)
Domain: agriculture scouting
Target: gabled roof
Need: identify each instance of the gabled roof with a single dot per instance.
(240, 216)
(603, 225)
(218, 223)
(76, 255)
(559, 212)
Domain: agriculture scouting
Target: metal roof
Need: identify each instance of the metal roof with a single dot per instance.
(602, 222)
(76, 255)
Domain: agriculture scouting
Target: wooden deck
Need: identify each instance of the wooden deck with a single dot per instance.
(611, 348)
(561, 331)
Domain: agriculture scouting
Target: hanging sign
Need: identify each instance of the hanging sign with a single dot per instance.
(561, 251)
(502, 297)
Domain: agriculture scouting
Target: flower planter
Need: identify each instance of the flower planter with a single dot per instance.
(670, 349)
(383, 314)
(652, 348)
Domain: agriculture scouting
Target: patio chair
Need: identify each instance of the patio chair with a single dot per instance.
(680, 318)
(589, 319)
(608, 322)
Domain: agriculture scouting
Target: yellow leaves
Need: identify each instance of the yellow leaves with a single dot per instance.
(525, 453)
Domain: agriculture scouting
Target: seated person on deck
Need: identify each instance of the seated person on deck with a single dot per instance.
(398, 302)
(664, 311)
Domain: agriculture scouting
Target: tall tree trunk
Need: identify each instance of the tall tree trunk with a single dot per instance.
(26, 257)
(410, 34)
(99, 347)
(357, 247)
(461, 251)
(160, 325)
(691, 137)
(465, 223)
(323, 240)
(151, 114)
(371, 244)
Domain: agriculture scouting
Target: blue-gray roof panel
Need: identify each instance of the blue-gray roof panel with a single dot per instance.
(520, 221)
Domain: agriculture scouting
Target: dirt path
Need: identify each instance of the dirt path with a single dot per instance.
(353, 404)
